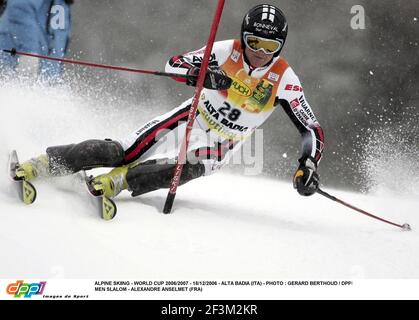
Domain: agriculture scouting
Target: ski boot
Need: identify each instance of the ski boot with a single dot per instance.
(31, 169)
(109, 184)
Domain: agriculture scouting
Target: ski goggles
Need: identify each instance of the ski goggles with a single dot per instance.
(255, 43)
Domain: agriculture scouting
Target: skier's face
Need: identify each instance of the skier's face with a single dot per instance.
(258, 59)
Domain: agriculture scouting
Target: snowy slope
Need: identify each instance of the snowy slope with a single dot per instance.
(223, 226)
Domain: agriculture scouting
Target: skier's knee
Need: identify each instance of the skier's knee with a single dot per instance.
(85, 155)
(156, 174)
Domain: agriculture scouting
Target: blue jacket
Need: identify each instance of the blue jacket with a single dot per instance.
(36, 26)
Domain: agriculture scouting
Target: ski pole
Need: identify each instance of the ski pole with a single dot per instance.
(192, 111)
(13, 52)
(404, 227)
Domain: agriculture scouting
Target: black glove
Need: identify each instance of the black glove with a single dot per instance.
(306, 179)
(215, 79)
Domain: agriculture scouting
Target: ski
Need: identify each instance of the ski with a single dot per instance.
(24, 189)
(105, 207)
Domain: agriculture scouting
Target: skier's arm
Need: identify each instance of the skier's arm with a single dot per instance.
(189, 62)
(292, 99)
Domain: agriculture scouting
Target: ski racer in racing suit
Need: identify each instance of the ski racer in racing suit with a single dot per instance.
(246, 81)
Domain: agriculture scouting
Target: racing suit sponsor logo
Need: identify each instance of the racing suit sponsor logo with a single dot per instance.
(235, 56)
(240, 88)
(262, 93)
(273, 76)
(147, 126)
(295, 103)
(307, 108)
(301, 116)
(302, 111)
(291, 87)
(198, 60)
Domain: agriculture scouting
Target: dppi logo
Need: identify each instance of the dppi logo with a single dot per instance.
(27, 290)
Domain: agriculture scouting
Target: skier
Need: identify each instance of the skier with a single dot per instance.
(35, 26)
(246, 81)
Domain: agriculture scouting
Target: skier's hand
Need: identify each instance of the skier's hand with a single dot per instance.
(215, 79)
(306, 179)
